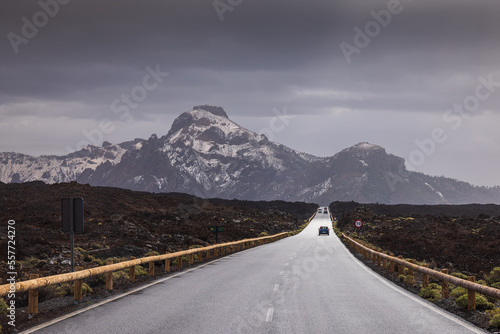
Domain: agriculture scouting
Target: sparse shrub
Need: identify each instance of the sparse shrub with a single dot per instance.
(429, 293)
(85, 289)
(98, 262)
(80, 250)
(491, 313)
(495, 321)
(47, 293)
(95, 246)
(118, 275)
(494, 276)
(405, 271)
(96, 280)
(139, 271)
(88, 258)
(496, 285)
(401, 278)
(152, 253)
(410, 280)
(63, 290)
(3, 307)
(460, 275)
(30, 262)
(458, 292)
(263, 234)
(434, 286)
(494, 316)
(481, 302)
(482, 282)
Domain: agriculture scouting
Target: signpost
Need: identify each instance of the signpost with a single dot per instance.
(72, 221)
(358, 223)
(216, 230)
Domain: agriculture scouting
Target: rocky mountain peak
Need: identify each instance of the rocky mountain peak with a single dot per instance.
(364, 147)
(218, 111)
(199, 116)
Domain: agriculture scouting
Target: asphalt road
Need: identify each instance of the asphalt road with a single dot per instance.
(301, 284)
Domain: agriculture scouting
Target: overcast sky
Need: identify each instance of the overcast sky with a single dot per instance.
(419, 78)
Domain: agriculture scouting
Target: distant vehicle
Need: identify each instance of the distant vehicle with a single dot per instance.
(324, 230)
(325, 212)
(319, 211)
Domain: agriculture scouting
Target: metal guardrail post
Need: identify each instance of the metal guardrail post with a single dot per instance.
(445, 293)
(151, 271)
(471, 305)
(131, 271)
(109, 277)
(167, 264)
(33, 299)
(425, 278)
(78, 293)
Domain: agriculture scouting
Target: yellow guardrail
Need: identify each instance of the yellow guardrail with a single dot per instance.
(381, 259)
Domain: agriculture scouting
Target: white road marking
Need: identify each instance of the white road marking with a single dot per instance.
(281, 273)
(269, 316)
(276, 287)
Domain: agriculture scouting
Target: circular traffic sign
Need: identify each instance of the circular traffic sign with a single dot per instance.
(358, 223)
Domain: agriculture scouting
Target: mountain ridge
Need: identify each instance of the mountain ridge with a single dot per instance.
(206, 154)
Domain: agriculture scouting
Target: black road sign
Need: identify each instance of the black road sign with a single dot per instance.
(72, 215)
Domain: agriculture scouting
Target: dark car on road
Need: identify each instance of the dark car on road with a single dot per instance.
(324, 230)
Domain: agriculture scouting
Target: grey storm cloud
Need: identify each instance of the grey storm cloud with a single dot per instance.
(90, 48)
(249, 56)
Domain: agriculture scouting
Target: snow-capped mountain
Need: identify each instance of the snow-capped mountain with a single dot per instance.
(208, 155)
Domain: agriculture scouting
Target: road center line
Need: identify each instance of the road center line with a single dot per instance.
(281, 273)
(269, 316)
